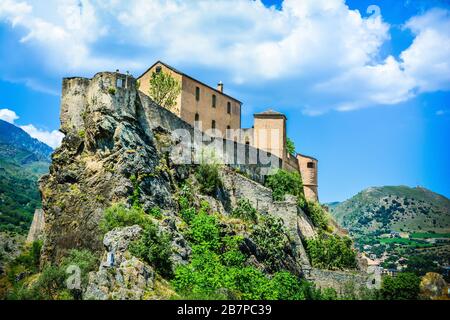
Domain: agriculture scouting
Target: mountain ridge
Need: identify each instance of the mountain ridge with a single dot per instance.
(23, 160)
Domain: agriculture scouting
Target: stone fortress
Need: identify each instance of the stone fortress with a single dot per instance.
(218, 114)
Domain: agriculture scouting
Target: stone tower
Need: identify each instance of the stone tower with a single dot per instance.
(309, 171)
(269, 132)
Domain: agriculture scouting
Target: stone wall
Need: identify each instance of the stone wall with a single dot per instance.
(341, 281)
(37, 226)
(193, 144)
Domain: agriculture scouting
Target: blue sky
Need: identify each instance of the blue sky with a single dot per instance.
(365, 92)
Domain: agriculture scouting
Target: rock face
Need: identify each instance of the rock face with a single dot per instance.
(120, 147)
(120, 276)
(434, 287)
(108, 140)
(37, 227)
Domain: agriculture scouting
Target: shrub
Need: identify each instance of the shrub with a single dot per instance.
(135, 198)
(284, 182)
(271, 240)
(187, 212)
(155, 248)
(208, 178)
(86, 261)
(112, 91)
(317, 214)
(245, 211)
(290, 146)
(50, 284)
(156, 212)
(205, 231)
(118, 216)
(331, 252)
(27, 262)
(405, 286)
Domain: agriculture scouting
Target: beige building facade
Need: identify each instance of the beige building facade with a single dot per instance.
(210, 108)
(199, 104)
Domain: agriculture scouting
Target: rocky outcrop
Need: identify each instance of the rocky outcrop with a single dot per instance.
(10, 247)
(120, 276)
(37, 227)
(108, 140)
(298, 226)
(433, 286)
(120, 147)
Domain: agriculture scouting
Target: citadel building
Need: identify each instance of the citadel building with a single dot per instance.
(211, 109)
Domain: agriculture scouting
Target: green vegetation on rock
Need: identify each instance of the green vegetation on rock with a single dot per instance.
(331, 252)
(284, 182)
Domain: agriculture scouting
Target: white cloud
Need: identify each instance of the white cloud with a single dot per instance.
(319, 53)
(51, 138)
(8, 115)
(427, 60)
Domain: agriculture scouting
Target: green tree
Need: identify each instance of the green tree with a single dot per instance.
(164, 89)
(271, 240)
(331, 252)
(155, 248)
(290, 146)
(283, 182)
(405, 286)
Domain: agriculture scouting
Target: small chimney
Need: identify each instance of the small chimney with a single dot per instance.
(220, 86)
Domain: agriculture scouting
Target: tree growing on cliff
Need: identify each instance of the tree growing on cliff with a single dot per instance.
(290, 146)
(164, 89)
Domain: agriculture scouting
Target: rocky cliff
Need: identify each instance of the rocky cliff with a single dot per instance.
(119, 145)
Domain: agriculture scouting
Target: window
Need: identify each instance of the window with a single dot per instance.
(197, 93)
(311, 165)
(228, 131)
(158, 69)
(214, 100)
(197, 119)
(120, 83)
(213, 125)
(229, 107)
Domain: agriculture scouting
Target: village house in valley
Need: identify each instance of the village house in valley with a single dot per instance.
(212, 110)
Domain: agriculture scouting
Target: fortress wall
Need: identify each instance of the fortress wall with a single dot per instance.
(291, 164)
(253, 162)
(73, 104)
(117, 95)
(341, 281)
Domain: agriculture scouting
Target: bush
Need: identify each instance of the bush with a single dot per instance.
(156, 212)
(290, 146)
(284, 182)
(27, 262)
(405, 286)
(118, 216)
(317, 214)
(86, 261)
(217, 269)
(245, 211)
(271, 240)
(331, 252)
(208, 178)
(155, 248)
(49, 286)
(187, 212)
(205, 231)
